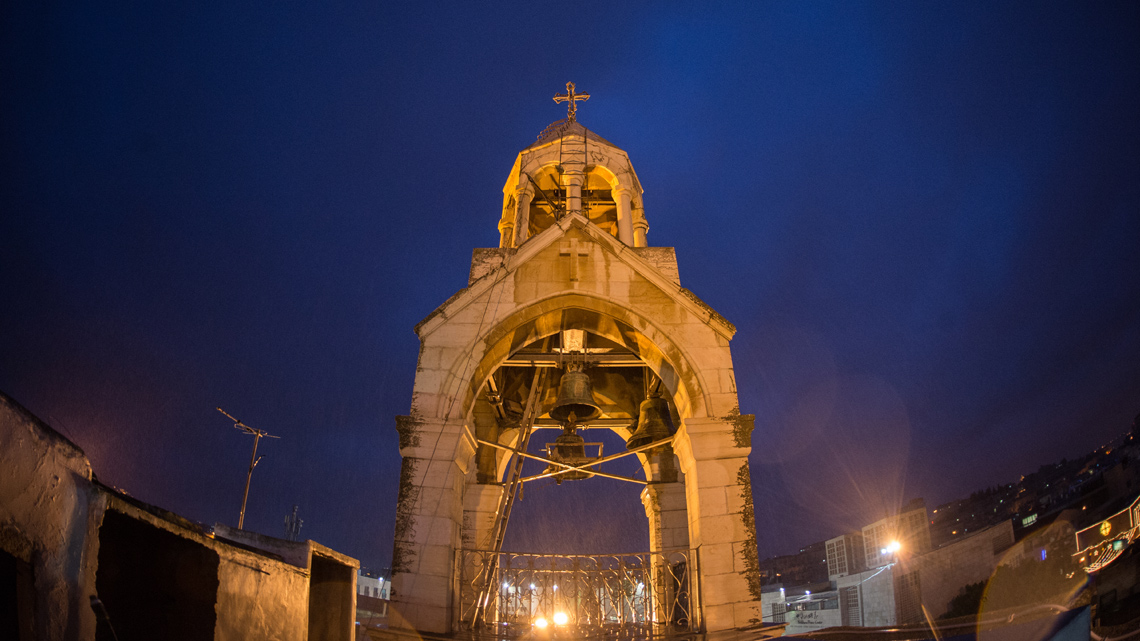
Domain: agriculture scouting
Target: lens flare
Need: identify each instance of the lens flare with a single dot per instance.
(560, 618)
(540, 622)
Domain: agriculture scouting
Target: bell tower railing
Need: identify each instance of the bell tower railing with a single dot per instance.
(640, 595)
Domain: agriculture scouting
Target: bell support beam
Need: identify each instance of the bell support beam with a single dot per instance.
(569, 468)
(605, 459)
(556, 359)
(597, 423)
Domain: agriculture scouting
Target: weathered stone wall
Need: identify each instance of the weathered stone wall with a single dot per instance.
(332, 599)
(259, 598)
(436, 458)
(51, 517)
(45, 520)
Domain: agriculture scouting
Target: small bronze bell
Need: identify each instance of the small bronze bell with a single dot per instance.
(575, 396)
(653, 424)
(568, 448)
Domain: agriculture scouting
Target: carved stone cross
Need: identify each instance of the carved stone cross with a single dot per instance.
(572, 249)
(571, 97)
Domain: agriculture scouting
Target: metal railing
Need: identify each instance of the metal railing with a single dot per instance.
(643, 595)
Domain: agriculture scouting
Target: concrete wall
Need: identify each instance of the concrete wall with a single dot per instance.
(260, 598)
(876, 595)
(332, 600)
(45, 520)
(801, 621)
(945, 571)
(52, 518)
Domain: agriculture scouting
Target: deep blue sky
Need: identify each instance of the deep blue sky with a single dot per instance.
(922, 217)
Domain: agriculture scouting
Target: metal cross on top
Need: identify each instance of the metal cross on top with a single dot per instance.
(570, 97)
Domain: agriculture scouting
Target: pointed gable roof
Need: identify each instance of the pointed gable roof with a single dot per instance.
(520, 256)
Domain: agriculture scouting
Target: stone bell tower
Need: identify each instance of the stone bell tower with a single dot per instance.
(573, 297)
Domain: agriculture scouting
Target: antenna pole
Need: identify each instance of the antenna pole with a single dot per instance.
(253, 459)
(248, 478)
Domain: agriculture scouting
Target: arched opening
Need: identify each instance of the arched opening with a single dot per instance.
(619, 381)
(604, 539)
(598, 204)
(549, 200)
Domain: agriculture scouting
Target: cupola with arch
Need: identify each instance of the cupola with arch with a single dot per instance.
(572, 169)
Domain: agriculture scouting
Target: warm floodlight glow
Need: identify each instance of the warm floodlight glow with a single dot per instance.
(560, 618)
(540, 623)
(894, 547)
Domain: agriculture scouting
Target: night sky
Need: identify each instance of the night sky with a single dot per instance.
(923, 219)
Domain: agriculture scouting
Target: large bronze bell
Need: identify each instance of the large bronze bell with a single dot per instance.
(653, 423)
(575, 396)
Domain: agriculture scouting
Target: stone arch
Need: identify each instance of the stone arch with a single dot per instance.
(468, 375)
(616, 322)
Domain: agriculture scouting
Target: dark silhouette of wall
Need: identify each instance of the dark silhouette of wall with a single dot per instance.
(331, 590)
(155, 584)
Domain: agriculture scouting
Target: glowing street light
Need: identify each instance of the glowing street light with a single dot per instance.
(894, 547)
(560, 618)
(540, 622)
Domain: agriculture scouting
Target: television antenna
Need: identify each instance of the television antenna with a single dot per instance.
(254, 459)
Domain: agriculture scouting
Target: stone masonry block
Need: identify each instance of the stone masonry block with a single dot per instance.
(672, 500)
(619, 291)
(740, 550)
(709, 446)
(746, 613)
(441, 473)
(719, 617)
(718, 589)
(436, 560)
(424, 616)
(710, 358)
(483, 497)
(436, 501)
(722, 403)
(718, 472)
(438, 530)
(430, 380)
(723, 529)
(457, 334)
(727, 380)
(717, 558)
(713, 501)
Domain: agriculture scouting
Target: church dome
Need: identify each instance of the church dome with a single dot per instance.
(572, 170)
(559, 128)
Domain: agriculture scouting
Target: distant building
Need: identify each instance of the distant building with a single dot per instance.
(807, 566)
(372, 594)
(871, 584)
(845, 555)
(910, 528)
